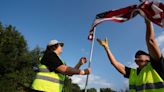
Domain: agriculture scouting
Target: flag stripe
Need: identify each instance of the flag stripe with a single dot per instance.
(154, 11)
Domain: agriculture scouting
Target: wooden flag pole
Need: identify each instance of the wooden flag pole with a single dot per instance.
(90, 58)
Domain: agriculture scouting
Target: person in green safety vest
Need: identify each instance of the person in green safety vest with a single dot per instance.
(53, 71)
(149, 76)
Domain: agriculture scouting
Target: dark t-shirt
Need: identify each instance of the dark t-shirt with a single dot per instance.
(157, 65)
(52, 61)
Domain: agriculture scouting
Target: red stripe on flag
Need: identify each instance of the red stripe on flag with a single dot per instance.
(154, 11)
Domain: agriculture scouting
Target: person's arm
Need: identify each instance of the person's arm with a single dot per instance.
(152, 46)
(80, 63)
(120, 67)
(72, 71)
(54, 63)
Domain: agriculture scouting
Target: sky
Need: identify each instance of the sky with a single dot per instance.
(69, 21)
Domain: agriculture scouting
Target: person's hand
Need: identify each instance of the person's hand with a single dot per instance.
(103, 43)
(85, 71)
(82, 60)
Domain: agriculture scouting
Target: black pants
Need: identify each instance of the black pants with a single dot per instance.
(32, 90)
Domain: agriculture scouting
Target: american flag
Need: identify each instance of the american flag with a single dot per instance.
(152, 10)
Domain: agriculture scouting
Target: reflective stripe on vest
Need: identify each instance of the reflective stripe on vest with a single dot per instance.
(46, 70)
(49, 79)
(147, 86)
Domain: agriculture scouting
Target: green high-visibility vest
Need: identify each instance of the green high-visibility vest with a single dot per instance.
(48, 81)
(148, 80)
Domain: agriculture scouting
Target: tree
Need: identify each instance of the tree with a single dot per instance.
(36, 55)
(67, 85)
(70, 87)
(75, 88)
(106, 90)
(91, 90)
(15, 61)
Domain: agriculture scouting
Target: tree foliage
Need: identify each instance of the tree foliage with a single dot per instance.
(106, 90)
(67, 85)
(91, 90)
(15, 61)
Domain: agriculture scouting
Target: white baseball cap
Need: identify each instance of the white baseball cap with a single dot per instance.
(53, 42)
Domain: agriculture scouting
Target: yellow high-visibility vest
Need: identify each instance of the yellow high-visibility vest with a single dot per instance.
(148, 80)
(48, 81)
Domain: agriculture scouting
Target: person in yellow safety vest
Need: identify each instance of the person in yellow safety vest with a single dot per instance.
(149, 76)
(53, 70)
